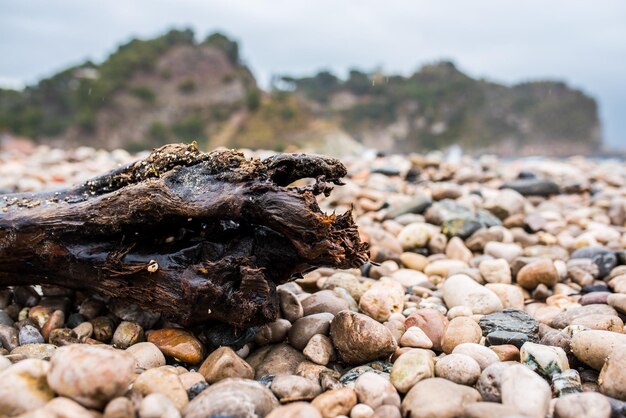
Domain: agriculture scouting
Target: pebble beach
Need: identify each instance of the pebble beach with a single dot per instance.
(496, 288)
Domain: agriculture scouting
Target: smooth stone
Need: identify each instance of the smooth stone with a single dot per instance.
(458, 368)
(304, 328)
(510, 320)
(290, 388)
(612, 379)
(414, 337)
(490, 381)
(313, 371)
(63, 336)
(383, 245)
(397, 328)
(56, 321)
(414, 235)
(359, 339)
(582, 405)
(566, 318)
(9, 337)
(319, 350)
(600, 322)
(416, 204)
(162, 380)
(84, 330)
(594, 298)
(554, 337)
(460, 330)
(30, 335)
(605, 259)
(456, 250)
(593, 347)
(495, 271)
(461, 290)
(146, 355)
(411, 367)
(89, 374)
(538, 272)
(127, 334)
(544, 359)
(618, 302)
(439, 398)
(295, 410)
(190, 379)
(103, 328)
(414, 261)
(525, 391)
(232, 397)
(40, 314)
(444, 268)
(273, 333)
(336, 402)
(279, 359)
(324, 301)
(120, 407)
(481, 354)
(506, 337)
(407, 278)
(372, 389)
(505, 203)
(533, 187)
(37, 351)
(507, 251)
(177, 343)
(361, 410)
(478, 240)
(506, 352)
(511, 296)
(383, 299)
(387, 411)
(224, 363)
(60, 407)
(618, 284)
(23, 387)
(157, 405)
(290, 305)
(489, 410)
(346, 281)
(432, 322)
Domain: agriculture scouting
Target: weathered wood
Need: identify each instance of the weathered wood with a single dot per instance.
(195, 236)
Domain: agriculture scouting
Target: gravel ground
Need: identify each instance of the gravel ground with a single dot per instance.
(496, 289)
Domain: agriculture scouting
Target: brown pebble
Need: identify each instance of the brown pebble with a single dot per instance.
(178, 343)
(506, 352)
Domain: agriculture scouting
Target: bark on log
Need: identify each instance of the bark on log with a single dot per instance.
(195, 236)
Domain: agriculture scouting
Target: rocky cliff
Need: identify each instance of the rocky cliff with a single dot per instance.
(173, 87)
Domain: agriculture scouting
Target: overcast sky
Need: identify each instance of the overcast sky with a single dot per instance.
(580, 42)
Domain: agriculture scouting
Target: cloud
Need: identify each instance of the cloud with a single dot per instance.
(581, 42)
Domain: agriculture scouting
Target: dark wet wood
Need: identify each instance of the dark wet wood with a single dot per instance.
(195, 236)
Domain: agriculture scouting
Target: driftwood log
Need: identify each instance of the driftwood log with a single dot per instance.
(195, 236)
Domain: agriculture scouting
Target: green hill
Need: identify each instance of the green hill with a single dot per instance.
(173, 87)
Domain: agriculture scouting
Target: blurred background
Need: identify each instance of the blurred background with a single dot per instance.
(511, 78)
